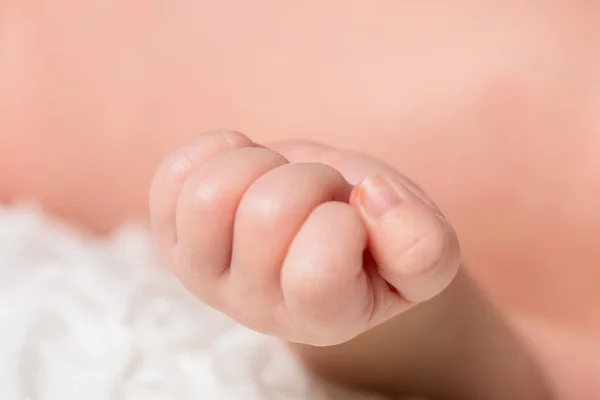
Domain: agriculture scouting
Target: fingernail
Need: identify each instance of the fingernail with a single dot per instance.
(377, 196)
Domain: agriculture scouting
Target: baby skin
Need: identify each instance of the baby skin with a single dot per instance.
(342, 256)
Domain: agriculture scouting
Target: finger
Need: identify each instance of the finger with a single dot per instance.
(171, 175)
(355, 167)
(269, 216)
(414, 247)
(206, 211)
(327, 292)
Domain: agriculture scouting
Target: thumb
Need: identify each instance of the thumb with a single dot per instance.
(413, 245)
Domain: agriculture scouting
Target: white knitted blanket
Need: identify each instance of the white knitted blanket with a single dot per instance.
(89, 319)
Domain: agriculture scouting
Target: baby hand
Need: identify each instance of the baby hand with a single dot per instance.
(301, 241)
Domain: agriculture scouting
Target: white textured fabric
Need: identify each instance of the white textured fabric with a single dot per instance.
(83, 318)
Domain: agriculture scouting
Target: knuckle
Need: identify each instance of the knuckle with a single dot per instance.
(264, 155)
(204, 197)
(321, 182)
(319, 168)
(177, 167)
(267, 209)
(213, 189)
(232, 138)
(167, 181)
